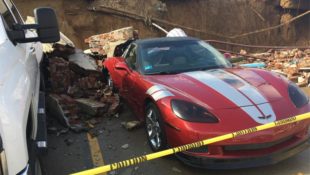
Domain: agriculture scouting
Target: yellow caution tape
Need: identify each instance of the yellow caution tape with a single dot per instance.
(167, 152)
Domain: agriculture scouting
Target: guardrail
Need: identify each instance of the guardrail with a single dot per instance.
(148, 157)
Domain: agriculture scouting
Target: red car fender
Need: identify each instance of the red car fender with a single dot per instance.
(116, 75)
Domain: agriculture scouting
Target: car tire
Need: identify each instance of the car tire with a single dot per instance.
(110, 84)
(35, 166)
(154, 127)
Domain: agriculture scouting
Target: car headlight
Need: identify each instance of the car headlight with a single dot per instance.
(192, 112)
(298, 97)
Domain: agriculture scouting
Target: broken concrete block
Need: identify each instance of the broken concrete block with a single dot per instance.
(91, 107)
(83, 61)
(55, 110)
(105, 44)
(64, 109)
(60, 50)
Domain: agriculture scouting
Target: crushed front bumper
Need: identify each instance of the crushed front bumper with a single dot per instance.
(236, 163)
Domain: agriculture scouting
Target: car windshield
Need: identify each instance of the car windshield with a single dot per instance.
(172, 57)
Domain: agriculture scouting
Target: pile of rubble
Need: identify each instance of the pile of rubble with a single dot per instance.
(78, 95)
(104, 44)
(291, 63)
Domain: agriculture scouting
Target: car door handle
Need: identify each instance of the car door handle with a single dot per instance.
(32, 49)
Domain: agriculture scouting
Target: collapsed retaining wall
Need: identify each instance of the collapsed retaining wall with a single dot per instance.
(210, 19)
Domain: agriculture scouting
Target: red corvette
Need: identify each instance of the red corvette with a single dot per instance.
(186, 91)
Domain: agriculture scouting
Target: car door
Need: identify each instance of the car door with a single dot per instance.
(117, 75)
(132, 78)
(18, 79)
(26, 53)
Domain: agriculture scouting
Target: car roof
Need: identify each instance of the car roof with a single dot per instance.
(163, 39)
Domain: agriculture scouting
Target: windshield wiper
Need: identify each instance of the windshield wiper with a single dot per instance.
(212, 67)
(187, 70)
(205, 68)
(163, 73)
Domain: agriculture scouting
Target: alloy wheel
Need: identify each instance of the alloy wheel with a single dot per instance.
(153, 129)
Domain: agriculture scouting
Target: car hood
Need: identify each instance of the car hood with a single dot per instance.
(222, 89)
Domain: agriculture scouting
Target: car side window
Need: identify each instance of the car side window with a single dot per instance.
(6, 15)
(9, 14)
(131, 57)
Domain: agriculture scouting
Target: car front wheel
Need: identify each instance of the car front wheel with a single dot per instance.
(37, 167)
(155, 128)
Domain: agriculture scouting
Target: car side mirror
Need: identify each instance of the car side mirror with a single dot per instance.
(48, 31)
(122, 66)
(46, 27)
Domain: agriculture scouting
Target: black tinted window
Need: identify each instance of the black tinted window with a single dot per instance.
(15, 12)
(179, 56)
(7, 16)
(131, 57)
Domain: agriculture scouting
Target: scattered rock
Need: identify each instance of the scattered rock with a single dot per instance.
(78, 128)
(96, 132)
(52, 130)
(136, 168)
(125, 146)
(243, 52)
(176, 170)
(69, 141)
(63, 131)
(131, 125)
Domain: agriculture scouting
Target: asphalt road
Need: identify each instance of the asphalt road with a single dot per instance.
(72, 152)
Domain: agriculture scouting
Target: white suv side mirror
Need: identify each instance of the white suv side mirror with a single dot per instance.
(46, 27)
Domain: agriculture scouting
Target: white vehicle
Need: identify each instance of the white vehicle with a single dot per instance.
(22, 109)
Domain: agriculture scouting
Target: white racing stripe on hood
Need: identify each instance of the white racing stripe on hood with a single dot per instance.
(154, 88)
(238, 83)
(268, 111)
(237, 91)
(161, 94)
(158, 92)
(221, 87)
